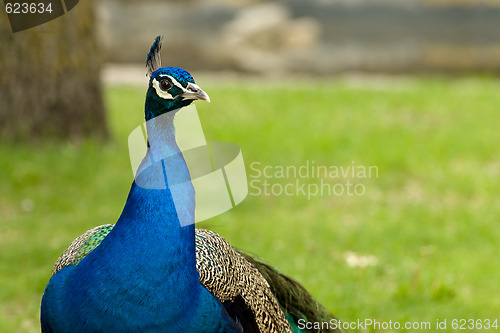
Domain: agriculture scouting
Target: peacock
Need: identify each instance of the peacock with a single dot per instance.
(149, 273)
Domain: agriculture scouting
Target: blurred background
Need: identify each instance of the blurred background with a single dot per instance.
(314, 37)
(410, 87)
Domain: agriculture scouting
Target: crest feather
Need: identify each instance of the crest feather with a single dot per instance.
(154, 58)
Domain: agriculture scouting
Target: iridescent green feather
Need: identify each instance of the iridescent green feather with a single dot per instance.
(92, 242)
(82, 246)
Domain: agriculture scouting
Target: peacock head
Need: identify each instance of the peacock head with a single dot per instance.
(170, 88)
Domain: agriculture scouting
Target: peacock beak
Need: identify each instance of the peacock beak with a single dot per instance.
(192, 91)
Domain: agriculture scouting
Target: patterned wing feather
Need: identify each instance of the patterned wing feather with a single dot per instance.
(227, 275)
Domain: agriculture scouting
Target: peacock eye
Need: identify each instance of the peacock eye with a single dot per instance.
(165, 84)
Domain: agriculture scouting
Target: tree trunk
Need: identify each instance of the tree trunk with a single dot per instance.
(49, 79)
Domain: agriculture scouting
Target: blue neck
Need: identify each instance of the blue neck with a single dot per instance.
(164, 167)
(160, 197)
(148, 244)
(142, 277)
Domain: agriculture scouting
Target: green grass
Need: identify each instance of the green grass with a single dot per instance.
(431, 218)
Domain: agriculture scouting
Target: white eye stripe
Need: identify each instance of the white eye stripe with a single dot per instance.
(159, 92)
(174, 81)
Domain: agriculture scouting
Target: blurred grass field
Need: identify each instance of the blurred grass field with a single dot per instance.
(428, 225)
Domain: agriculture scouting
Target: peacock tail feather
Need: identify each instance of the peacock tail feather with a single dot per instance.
(295, 300)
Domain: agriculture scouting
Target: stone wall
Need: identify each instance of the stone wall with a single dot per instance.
(313, 36)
